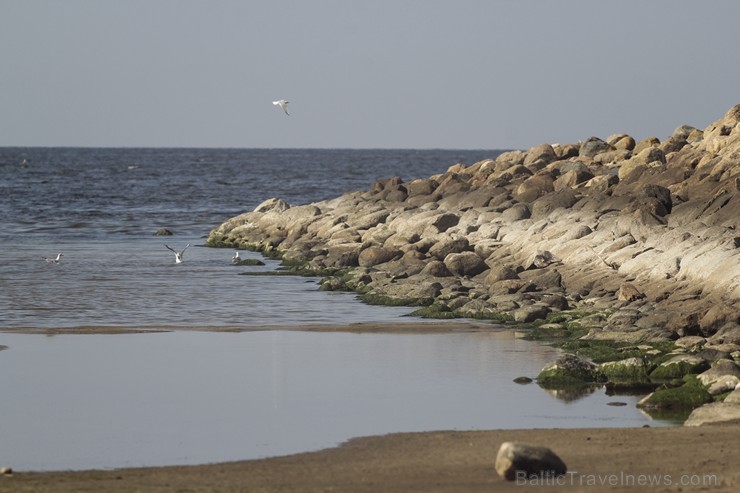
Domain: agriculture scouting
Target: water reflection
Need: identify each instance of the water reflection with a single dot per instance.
(185, 397)
(572, 393)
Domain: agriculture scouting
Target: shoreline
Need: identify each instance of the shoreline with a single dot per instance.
(605, 459)
(430, 327)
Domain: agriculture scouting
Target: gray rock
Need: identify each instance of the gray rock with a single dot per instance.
(723, 384)
(274, 204)
(516, 460)
(501, 273)
(734, 397)
(447, 246)
(375, 255)
(715, 412)
(516, 212)
(594, 146)
(443, 222)
(465, 264)
(436, 268)
(531, 313)
(721, 368)
(543, 206)
(540, 260)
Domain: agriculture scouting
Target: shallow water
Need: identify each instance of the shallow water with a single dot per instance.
(137, 283)
(184, 397)
(101, 401)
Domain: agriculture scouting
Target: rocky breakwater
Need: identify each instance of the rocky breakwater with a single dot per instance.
(608, 239)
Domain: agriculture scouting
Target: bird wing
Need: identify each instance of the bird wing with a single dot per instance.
(170, 249)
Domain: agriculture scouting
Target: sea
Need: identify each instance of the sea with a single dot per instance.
(174, 393)
(100, 209)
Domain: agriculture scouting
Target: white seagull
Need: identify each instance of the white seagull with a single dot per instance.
(50, 260)
(178, 255)
(235, 259)
(283, 104)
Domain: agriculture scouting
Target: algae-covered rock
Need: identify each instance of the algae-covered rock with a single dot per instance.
(247, 261)
(569, 369)
(690, 395)
(629, 371)
(678, 367)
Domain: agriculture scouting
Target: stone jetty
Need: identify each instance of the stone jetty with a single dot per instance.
(641, 238)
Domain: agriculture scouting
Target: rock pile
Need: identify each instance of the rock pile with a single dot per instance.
(645, 233)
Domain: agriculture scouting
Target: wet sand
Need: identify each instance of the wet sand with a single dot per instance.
(632, 459)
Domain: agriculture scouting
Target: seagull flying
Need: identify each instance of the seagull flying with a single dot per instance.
(283, 104)
(178, 255)
(51, 260)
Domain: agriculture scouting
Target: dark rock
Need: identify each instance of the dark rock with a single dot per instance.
(543, 206)
(594, 146)
(523, 380)
(530, 313)
(443, 248)
(443, 222)
(522, 461)
(516, 212)
(436, 268)
(163, 232)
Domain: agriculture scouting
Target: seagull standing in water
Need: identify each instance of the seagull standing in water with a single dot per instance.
(51, 260)
(283, 104)
(178, 255)
(235, 259)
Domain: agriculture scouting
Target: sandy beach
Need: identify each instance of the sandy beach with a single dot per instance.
(632, 459)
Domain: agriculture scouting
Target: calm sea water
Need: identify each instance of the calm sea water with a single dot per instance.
(183, 397)
(100, 208)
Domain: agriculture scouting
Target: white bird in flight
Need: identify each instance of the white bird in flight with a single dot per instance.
(51, 260)
(283, 104)
(178, 255)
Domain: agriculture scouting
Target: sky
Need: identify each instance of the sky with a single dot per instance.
(457, 74)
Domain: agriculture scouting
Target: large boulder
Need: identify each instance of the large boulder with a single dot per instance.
(465, 264)
(375, 255)
(594, 146)
(519, 461)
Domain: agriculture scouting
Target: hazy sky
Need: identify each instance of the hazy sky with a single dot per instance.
(396, 74)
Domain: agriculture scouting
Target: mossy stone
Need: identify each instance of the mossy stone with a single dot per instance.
(435, 310)
(690, 395)
(630, 370)
(678, 367)
(248, 261)
(569, 370)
